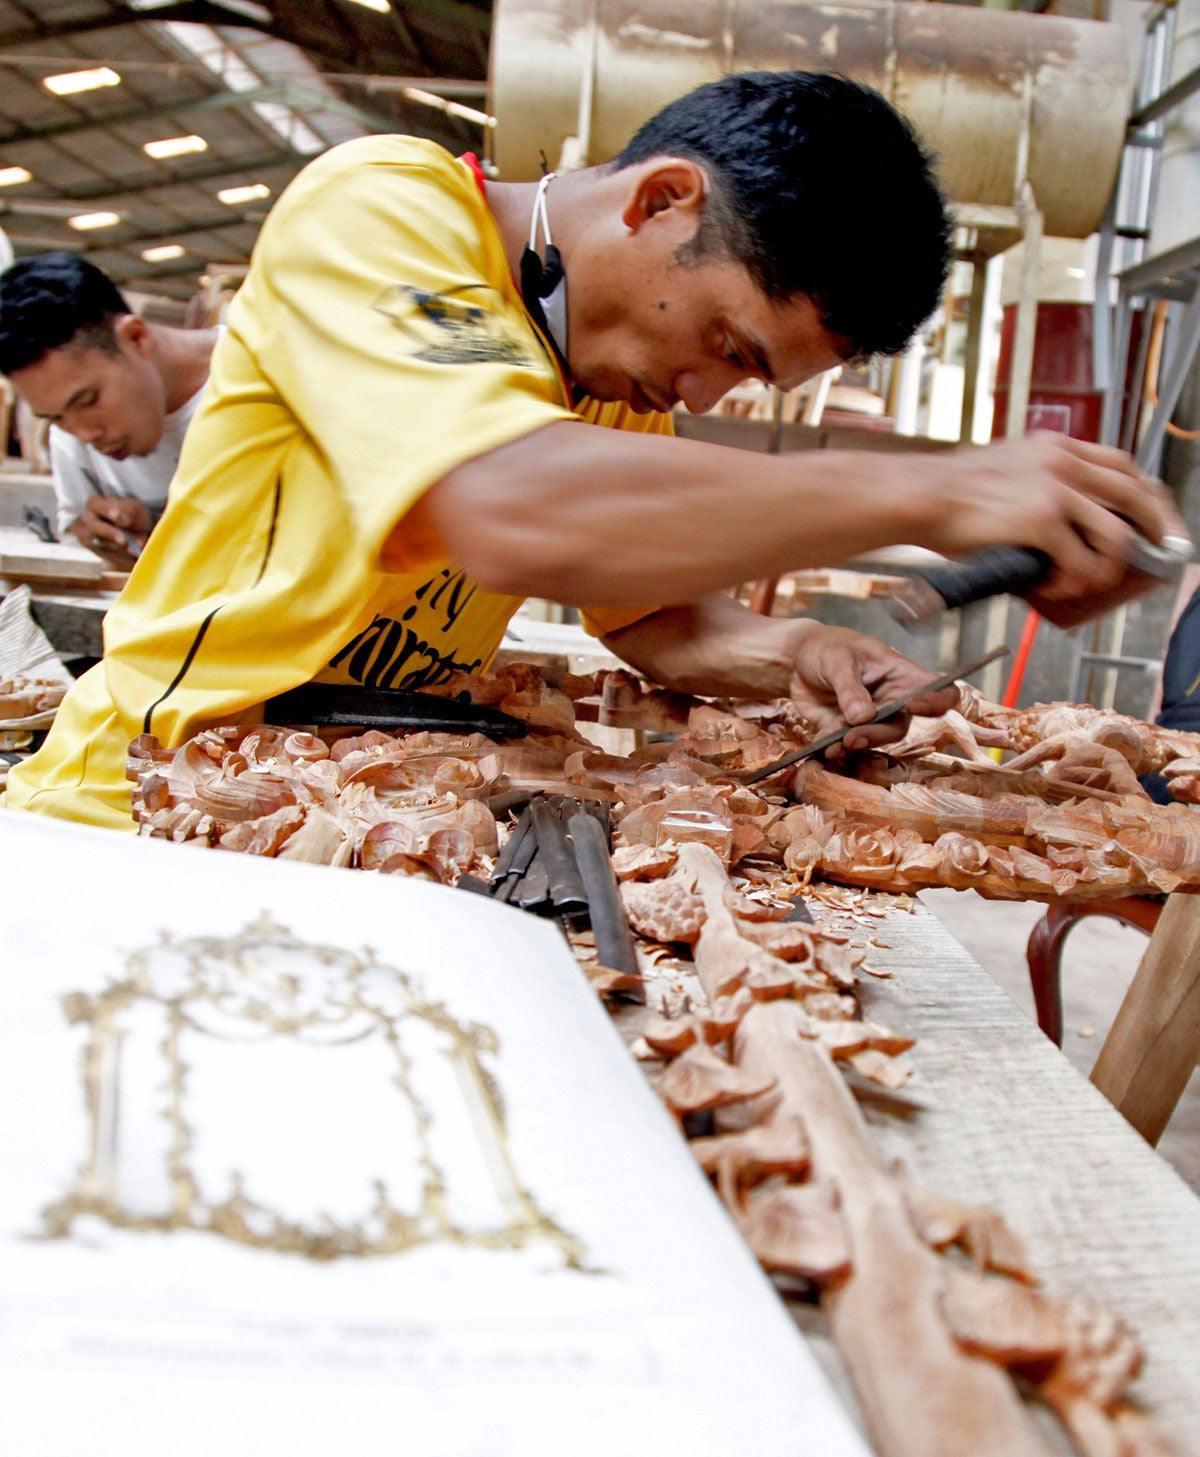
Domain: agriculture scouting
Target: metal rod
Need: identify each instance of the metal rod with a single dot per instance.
(1114, 395)
(508, 799)
(506, 857)
(1025, 330)
(614, 944)
(1102, 308)
(555, 853)
(508, 888)
(532, 892)
(1168, 100)
(1171, 386)
(1137, 382)
(974, 348)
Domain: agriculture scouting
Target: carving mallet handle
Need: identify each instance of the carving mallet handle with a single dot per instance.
(1015, 569)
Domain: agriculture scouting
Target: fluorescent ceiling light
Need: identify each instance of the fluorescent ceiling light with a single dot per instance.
(174, 147)
(234, 195)
(163, 252)
(10, 176)
(382, 6)
(71, 81)
(85, 220)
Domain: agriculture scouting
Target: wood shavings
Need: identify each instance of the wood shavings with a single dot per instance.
(608, 982)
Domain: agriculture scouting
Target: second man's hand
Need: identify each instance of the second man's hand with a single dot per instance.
(113, 526)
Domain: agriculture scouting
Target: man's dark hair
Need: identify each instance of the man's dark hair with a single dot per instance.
(819, 187)
(53, 300)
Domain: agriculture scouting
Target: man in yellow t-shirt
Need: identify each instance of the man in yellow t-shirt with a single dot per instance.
(399, 442)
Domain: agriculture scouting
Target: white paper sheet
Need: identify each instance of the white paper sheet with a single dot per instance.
(301, 1161)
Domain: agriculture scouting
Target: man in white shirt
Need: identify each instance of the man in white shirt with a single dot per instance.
(118, 393)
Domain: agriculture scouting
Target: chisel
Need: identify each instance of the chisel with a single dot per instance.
(889, 710)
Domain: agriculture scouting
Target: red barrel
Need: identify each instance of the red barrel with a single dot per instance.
(1061, 393)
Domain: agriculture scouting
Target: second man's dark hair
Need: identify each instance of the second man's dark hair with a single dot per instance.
(819, 187)
(54, 300)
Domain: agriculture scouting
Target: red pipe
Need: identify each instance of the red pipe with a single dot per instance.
(1013, 691)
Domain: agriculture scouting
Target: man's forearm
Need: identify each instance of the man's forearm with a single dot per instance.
(590, 516)
(605, 518)
(716, 648)
(833, 675)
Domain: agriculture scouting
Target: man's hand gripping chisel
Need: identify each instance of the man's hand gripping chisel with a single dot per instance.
(889, 710)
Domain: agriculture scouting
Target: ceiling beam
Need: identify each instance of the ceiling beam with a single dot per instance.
(206, 101)
(424, 120)
(211, 224)
(317, 41)
(74, 240)
(101, 122)
(181, 266)
(407, 38)
(462, 18)
(33, 242)
(54, 30)
(148, 276)
(151, 274)
(471, 22)
(199, 12)
(300, 98)
(170, 177)
(303, 98)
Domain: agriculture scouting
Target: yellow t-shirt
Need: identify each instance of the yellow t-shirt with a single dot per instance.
(378, 342)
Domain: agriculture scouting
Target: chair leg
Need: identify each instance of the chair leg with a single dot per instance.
(1044, 955)
(1154, 1044)
(1045, 949)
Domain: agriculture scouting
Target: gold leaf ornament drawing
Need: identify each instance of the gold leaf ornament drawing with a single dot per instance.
(292, 1097)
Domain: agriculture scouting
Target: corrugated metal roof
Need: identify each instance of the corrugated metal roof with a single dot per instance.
(264, 85)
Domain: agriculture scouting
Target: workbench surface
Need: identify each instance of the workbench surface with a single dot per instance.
(995, 1114)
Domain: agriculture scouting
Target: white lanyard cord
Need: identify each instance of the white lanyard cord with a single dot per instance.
(540, 212)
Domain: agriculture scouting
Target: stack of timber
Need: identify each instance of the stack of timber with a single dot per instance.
(25, 558)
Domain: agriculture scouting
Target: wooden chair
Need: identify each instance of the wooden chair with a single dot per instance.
(1154, 1043)
(1046, 943)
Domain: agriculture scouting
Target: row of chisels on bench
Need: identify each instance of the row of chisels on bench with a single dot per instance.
(556, 863)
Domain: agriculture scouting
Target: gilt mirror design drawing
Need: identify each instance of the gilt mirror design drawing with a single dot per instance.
(292, 1097)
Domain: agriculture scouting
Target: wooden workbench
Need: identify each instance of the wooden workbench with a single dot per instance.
(1002, 1118)
(996, 1115)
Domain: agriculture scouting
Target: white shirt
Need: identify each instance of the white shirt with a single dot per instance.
(81, 471)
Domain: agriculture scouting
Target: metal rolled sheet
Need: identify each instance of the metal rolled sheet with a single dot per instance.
(1001, 97)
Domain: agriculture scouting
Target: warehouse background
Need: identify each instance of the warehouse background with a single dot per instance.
(152, 136)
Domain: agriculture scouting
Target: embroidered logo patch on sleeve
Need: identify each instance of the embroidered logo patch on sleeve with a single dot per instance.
(454, 328)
